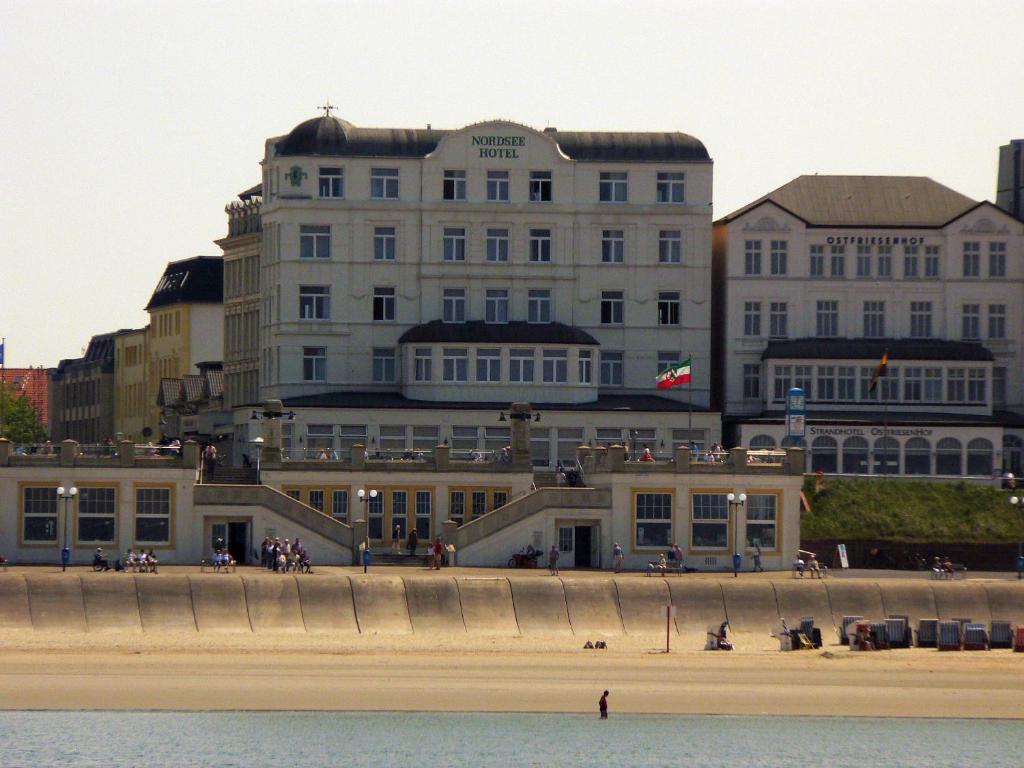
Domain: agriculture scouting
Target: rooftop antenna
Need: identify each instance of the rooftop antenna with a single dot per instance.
(327, 107)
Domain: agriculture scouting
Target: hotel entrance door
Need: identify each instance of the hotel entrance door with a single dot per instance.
(234, 535)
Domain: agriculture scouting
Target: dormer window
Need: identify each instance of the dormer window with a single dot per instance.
(540, 186)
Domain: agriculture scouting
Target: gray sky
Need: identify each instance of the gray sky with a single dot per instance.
(126, 127)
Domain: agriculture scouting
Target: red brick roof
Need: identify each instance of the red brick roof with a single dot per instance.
(34, 384)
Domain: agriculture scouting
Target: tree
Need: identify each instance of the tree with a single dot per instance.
(21, 422)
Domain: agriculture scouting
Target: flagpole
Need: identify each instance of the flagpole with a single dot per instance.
(690, 396)
(3, 383)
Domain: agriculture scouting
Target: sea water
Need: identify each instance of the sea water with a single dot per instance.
(473, 740)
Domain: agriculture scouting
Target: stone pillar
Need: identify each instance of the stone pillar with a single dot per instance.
(358, 455)
(616, 458)
(795, 461)
(449, 531)
(583, 457)
(190, 454)
(521, 415)
(600, 458)
(6, 450)
(126, 453)
(683, 459)
(68, 452)
(358, 537)
(442, 455)
(738, 458)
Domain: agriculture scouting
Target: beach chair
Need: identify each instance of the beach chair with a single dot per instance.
(975, 637)
(1001, 635)
(898, 632)
(879, 634)
(1018, 638)
(927, 633)
(949, 636)
(844, 638)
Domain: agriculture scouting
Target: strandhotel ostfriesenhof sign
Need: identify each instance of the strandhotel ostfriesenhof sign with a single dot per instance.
(499, 146)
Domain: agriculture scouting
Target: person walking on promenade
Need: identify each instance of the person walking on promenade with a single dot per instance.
(602, 705)
(438, 553)
(616, 557)
(757, 558)
(553, 560)
(412, 542)
(396, 539)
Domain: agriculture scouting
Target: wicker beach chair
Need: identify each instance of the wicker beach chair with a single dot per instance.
(1001, 635)
(898, 632)
(949, 636)
(880, 634)
(975, 637)
(844, 638)
(927, 633)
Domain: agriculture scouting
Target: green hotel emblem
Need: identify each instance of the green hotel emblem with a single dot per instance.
(295, 176)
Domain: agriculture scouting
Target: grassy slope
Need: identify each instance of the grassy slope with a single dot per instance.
(909, 511)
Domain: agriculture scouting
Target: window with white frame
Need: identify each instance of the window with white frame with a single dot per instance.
(976, 379)
(762, 517)
(710, 522)
(999, 386)
(538, 305)
(668, 308)
(384, 365)
(349, 435)
(752, 257)
(778, 257)
(424, 363)
(453, 244)
(497, 187)
(384, 243)
(332, 182)
(314, 241)
(613, 187)
(803, 379)
(667, 360)
(339, 504)
(920, 319)
(653, 513)
(933, 385)
(555, 366)
(874, 319)
(890, 385)
(913, 384)
(910, 262)
(314, 363)
(496, 305)
(585, 366)
(863, 261)
(997, 259)
(152, 515)
(866, 393)
(97, 515)
(956, 387)
(464, 438)
(540, 186)
(457, 506)
(838, 265)
(453, 305)
(496, 438)
(781, 382)
(314, 302)
(488, 365)
(846, 383)
(384, 183)
(612, 307)
(39, 515)
(316, 499)
(497, 244)
(972, 259)
(424, 511)
(383, 304)
(931, 262)
(827, 319)
(997, 321)
(778, 319)
(817, 260)
(671, 187)
(613, 246)
(884, 262)
(540, 245)
(455, 365)
(520, 366)
(611, 368)
(752, 318)
(751, 381)
(670, 246)
(425, 437)
(454, 185)
(970, 322)
(826, 390)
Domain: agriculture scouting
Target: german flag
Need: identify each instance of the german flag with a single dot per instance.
(883, 365)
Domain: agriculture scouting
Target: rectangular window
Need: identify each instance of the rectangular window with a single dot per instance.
(931, 262)
(752, 257)
(802, 378)
(488, 365)
(976, 385)
(539, 305)
(838, 260)
(496, 305)
(997, 259)
(885, 262)
(972, 259)
(751, 381)
(556, 366)
(453, 305)
(613, 187)
(654, 520)
(778, 320)
(152, 515)
(520, 366)
(540, 186)
(752, 318)
(383, 365)
(426, 437)
(874, 319)
(866, 394)
(39, 515)
(339, 505)
(817, 261)
(454, 186)
(863, 261)
(497, 245)
(670, 246)
(383, 304)
(970, 325)
(464, 438)
(349, 435)
(424, 364)
(314, 241)
(920, 319)
(826, 383)
(910, 262)
(384, 183)
(332, 182)
(611, 368)
(998, 386)
(384, 243)
(316, 499)
(762, 515)
(612, 307)
(392, 437)
(710, 528)
(779, 256)
(933, 385)
(997, 321)
(97, 515)
(424, 509)
(668, 308)
(827, 319)
(540, 245)
(613, 246)
(314, 302)
(453, 244)
(846, 381)
(455, 365)
(913, 385)
(890, 385)
(478, 503)
(956, 390)
(497, 187)
(585, 366)
(670, 187)
(314, 363)
(457, 506)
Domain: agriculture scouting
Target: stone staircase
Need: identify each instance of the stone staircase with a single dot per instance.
(231, 476)
(386, 557)
(545, 478)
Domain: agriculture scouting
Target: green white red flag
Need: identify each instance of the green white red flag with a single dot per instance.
(674, 375)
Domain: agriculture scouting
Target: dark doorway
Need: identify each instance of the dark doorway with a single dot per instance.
(583, 546)
(238, 541)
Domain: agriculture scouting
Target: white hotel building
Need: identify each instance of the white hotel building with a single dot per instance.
(414, 282)
(824, 274)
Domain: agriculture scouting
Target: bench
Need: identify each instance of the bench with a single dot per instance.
(231, 567)
(942, 573)
(673, 566)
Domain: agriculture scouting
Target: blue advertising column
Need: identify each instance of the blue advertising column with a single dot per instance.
(796, 417)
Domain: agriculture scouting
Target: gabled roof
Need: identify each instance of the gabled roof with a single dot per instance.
(479, 332)
(171, 391)
(865, 201)
(872, 349)
(196, 280)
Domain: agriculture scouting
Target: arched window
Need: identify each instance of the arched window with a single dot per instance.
(762, 442)
(824, 454)
(886, 456)
(1013, 454)
(949, 457)
(979, 457)
(855, 456)
(917, 457)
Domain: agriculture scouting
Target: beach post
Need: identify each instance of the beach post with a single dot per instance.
(670, 613)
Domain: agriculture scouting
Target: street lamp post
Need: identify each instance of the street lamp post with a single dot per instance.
(364, 497)
(1018, 503)
(65, 554)
(736, 503)
(258, 442)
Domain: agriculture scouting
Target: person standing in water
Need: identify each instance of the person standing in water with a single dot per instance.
(603, 705)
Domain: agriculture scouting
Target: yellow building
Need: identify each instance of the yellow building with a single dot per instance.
(133, 410)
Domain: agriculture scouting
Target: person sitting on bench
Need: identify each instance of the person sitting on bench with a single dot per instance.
(723, 640)
(813, 567)
(99, 562)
